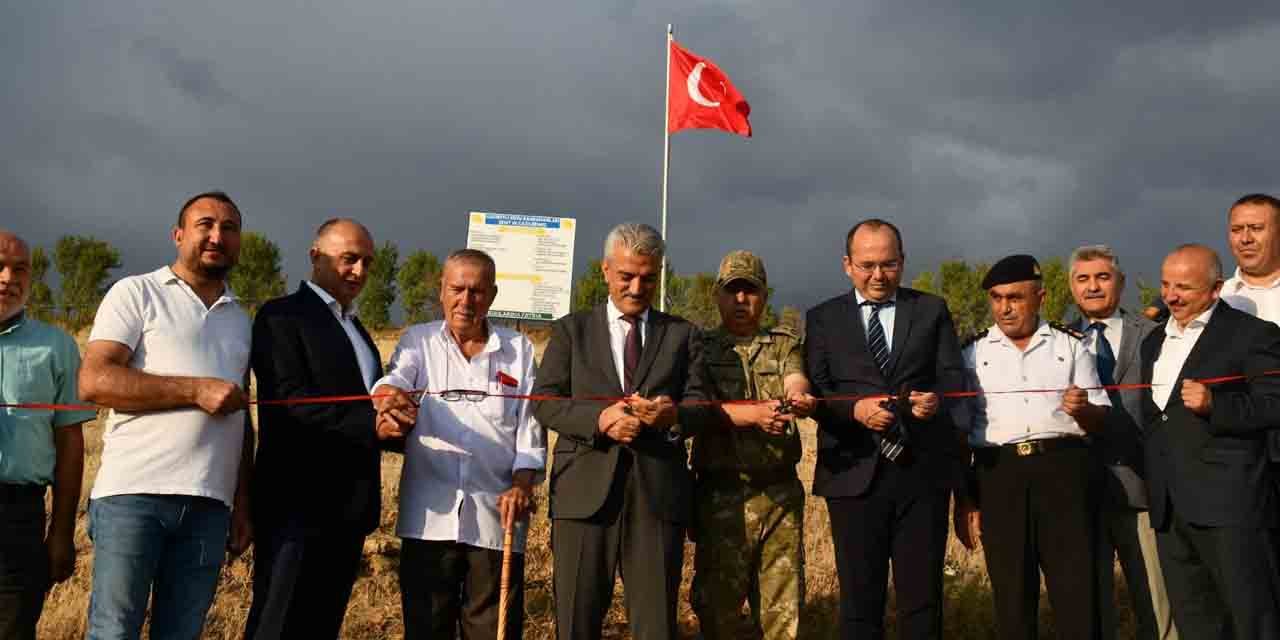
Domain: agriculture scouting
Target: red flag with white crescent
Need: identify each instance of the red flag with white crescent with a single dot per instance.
(701, 96)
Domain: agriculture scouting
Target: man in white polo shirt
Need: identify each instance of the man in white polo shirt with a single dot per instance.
(472, 458)
(168, 353)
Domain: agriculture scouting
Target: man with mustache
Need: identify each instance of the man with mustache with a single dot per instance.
(38, 449)
(621, 492)
(317, 488)
(749, 506)
(1213, 500)
(1034, 497)
(471, 461)
(1113, 335)
(168, 353)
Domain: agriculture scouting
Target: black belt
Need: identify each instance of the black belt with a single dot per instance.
(991, 455)
(10, 493)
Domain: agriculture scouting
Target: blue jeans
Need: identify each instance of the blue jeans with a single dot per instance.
(168, 546)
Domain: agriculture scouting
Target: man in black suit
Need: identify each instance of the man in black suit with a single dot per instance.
(316, 486)
(620, 485)
(1212, 499)
(886, 468)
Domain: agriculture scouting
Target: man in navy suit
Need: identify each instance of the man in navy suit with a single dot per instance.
(886, 467)
(1212, 498)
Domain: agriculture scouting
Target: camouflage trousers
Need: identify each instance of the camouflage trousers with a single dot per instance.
(750, 547)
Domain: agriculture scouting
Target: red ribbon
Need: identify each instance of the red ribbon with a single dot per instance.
(287, 402)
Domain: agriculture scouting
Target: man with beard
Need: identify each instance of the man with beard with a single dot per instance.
(317, 489)
(38, 448)
(167, 354)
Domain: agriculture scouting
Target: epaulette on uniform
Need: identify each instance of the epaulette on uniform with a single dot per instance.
(1074, 333)
(974, 338)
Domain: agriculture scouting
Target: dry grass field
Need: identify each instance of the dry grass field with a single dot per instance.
(374, 610)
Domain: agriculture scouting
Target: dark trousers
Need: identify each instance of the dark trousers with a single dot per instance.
(301, 582)
(1221, 580)
(1040, 513)
(24, 562)
(900, 518)
(448, 588)
(1118, 537)
(625, 536)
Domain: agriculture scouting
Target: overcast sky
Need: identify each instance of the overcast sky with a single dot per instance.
(981, 128)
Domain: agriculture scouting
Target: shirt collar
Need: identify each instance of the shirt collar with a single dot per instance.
(1113, 321)
(861, 299)
(616, 316)
(166, 275)
(492, 345)
(12, 324)
(331, 302)
(1237, 283)
(1171, 327)
(995, 334)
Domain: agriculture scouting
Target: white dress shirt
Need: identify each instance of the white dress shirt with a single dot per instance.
(365, 357)
(618, 329)
(1052, 360)
(887, 315)
(1112, 328)
(460, 456)
(1178, 343)
(1259, 301)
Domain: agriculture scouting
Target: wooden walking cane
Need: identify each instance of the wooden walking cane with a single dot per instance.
(505, 589)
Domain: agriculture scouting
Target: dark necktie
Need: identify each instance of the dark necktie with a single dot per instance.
(1106, 358)
(893, 438)
(630, 353)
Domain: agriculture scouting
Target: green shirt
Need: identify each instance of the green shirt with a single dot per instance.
(749, 369)
(38, 363)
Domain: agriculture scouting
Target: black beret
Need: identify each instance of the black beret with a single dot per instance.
(1015, 268)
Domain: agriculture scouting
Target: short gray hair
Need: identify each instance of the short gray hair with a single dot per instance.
(640, 239)
(1094, 252)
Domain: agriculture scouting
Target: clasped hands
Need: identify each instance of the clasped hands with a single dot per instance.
(773, 416)
(877, 416)
(397, 412)
(625, 419)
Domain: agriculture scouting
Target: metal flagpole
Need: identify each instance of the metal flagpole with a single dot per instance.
(666, 162)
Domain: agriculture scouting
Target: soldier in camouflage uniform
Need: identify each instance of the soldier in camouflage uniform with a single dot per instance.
(749, 519)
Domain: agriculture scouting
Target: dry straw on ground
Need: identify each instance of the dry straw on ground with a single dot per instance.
(374, 610)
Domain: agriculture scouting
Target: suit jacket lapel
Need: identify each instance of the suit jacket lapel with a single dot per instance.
(1216, 322)
(1149, 356)
(652, 344)
(902, 313)
(857, 334)
(343, 343)
(1129, 338)
(598, 336)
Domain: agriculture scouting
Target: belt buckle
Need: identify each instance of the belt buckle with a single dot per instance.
(1025, 448)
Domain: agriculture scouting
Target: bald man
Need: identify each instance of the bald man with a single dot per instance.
(38, 363)
(317, 484)
(1212, 500)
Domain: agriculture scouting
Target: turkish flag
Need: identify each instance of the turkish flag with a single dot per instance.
(701, 96)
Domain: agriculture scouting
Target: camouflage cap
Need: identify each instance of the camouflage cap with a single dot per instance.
(742, 265)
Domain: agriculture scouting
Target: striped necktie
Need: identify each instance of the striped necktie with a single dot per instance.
(893, 438)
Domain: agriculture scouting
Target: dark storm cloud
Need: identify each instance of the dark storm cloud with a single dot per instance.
(982, 129)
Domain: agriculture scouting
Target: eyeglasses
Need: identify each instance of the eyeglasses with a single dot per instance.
(457, 395)
(886, 267)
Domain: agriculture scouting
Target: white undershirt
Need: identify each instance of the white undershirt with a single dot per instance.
(1178, 344)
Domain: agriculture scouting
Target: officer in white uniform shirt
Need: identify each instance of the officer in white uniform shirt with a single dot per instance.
(1034, 491)
(1253, 231)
